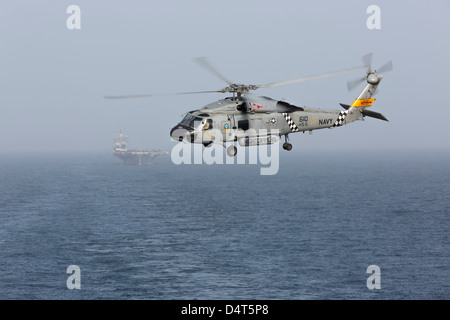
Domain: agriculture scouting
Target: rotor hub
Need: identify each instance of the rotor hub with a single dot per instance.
(239, 88)
(373, 78)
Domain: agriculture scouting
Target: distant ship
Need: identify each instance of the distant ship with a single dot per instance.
(138, 157)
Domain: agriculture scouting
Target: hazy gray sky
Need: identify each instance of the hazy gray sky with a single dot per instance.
(53, 79)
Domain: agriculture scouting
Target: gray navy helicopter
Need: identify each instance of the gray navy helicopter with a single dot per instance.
(256, 120)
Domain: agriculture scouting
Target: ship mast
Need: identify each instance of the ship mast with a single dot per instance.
(121, 142)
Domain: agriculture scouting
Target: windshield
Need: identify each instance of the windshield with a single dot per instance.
(189, 120)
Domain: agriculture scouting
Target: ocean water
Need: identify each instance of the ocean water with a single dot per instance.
(224, 231)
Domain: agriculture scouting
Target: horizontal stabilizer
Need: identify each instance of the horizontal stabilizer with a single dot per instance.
(373, 114)
(366, 112)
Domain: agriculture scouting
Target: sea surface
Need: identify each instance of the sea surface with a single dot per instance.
(166, 231)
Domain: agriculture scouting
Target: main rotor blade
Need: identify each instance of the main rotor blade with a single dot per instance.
(367, 59)
(159, 94)
(324, 75)
(205, 63)
(352, 84)
(385, 68)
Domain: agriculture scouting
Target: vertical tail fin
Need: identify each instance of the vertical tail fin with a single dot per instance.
(357, 110)
(365, 97)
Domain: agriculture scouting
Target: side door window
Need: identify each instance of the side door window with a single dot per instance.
(243, 124)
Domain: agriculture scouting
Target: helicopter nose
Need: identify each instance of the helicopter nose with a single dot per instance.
(177, 133)
(180, 132)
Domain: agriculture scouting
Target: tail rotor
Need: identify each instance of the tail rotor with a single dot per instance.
(370, 75)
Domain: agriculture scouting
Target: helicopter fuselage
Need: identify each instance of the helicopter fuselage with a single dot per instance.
(255, 120)
(251, 122)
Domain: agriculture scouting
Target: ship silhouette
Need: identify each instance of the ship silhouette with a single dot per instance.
(138, 157)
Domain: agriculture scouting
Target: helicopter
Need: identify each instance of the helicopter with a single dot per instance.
(256, 120)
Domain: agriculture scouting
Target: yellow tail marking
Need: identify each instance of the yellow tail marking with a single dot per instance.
(363, 102)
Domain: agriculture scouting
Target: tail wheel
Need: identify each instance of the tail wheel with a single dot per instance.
(231, 151)
(287, 146)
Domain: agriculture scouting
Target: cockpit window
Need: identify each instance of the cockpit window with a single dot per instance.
(189, 120)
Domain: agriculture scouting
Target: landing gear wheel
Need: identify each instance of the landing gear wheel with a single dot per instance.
(287, 146)
(231, 151)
